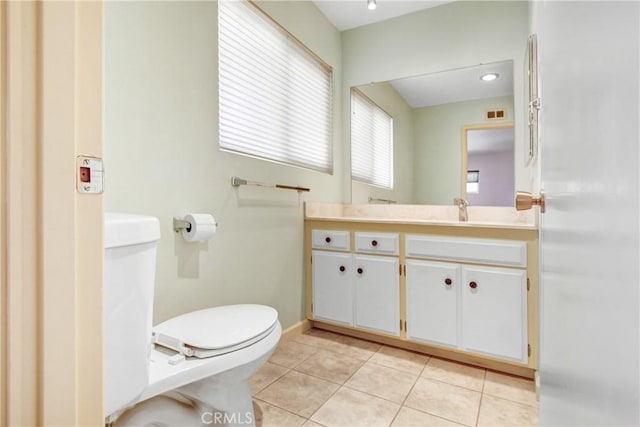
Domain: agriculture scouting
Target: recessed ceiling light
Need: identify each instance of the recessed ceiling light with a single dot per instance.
(371, 4)
(489, 77)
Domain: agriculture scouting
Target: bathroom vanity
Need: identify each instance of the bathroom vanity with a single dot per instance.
(416, 277)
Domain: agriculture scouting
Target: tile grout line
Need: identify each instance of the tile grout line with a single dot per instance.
(271, 382)
(410, 390)
(484, 379)
(441, 382)
(283, 409)
(339, 385)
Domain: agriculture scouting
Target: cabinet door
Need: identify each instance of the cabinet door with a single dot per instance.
(333, 287)
(494, 312)
(432, 302)
(377, 293)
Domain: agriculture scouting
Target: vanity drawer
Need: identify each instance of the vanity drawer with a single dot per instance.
(485, 251)
(330, 239)
(377, 243)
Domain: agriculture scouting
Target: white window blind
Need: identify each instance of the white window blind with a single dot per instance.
(371, 142)
(275, 96)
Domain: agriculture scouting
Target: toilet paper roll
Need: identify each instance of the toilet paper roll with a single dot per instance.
(203, 227)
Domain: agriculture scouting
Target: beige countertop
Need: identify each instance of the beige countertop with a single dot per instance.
(439, 215)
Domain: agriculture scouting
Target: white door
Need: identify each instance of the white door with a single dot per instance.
(494, 312)
(377, 293)
(432, 302)
(333, 286)
(589, 73)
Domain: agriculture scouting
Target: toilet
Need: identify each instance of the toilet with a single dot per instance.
(192, 370)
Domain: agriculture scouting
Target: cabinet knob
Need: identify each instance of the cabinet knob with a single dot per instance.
(342, 268)
(447, 281)
(360, 270)
(327, 239)
(473, 285)
(374, 243)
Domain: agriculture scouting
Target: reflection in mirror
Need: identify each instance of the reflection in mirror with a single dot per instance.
(489, 171)
(430, 114)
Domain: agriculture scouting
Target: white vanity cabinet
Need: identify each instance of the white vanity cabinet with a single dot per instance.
(494, 311)
(333, 286)
(482, 309)
(377, 300)
(356, 289)
(432, 302)
(463, 293)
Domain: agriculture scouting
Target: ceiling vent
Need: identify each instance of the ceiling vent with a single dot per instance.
(496, 114)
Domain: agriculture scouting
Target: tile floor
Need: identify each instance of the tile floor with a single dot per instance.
(326, 379)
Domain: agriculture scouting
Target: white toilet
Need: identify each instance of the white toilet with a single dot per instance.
(192, 370)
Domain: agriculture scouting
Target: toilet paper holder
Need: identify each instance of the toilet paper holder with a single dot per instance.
(180, 224)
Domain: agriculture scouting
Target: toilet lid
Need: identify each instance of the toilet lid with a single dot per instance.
(216, 330)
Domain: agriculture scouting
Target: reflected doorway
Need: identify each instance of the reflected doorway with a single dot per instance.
(488, 166)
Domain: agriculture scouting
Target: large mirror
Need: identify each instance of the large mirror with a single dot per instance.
(453, 136)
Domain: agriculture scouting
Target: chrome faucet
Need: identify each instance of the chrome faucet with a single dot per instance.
(462, 208)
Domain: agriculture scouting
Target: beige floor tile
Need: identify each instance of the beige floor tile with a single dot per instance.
(496, 412)
(401, 360)
(317, 338)
(342, 344)
(330, 366)
(511, 388)
(351, 408)
(270, 416)
(267, 374)
(408, 417)
(455, 373)
(444, 400)
(310, 423)
(291, 353)
(378, 380)
(299, 393)
(358, 348)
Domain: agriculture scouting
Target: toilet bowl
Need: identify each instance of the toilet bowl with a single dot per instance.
(193, 369)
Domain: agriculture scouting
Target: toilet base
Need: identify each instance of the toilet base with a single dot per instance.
(220, 402)
(160, 411)
(172, 411)
(222, 398)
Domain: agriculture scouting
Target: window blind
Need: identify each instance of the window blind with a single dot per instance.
(275, 96)
(371, 142)
(473, 181)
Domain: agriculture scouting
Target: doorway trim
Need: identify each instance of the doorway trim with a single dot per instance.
(463, 156)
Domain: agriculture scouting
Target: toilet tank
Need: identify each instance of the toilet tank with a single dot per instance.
(129, 273)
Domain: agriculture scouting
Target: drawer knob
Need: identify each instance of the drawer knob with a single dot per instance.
(327, 239)
(342, 269)
(473, 285)
(360, 270)
(374, 243)
(447, 281)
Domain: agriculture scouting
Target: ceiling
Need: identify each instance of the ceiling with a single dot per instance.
(458, 85)
(348, 14)
(431, 89)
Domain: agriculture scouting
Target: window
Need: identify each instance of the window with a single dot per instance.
(371, 142)
(473, 182)
(275, 95)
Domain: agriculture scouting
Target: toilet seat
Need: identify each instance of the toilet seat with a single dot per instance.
(216, 331)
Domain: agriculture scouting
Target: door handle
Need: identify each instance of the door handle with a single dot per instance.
(525, 201)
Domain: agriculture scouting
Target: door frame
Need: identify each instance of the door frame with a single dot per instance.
(51, 254)
(463, 156)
